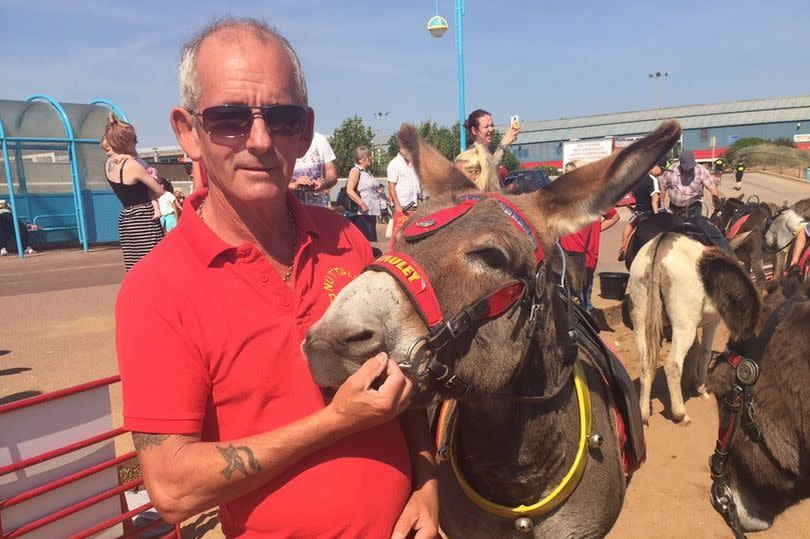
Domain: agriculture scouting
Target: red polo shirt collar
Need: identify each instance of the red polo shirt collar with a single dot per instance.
(208, 246)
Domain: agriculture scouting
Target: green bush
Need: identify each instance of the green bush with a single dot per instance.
(770, 155)
(784, 141)
(738, 150)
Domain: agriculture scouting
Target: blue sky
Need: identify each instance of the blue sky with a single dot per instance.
(540, 59)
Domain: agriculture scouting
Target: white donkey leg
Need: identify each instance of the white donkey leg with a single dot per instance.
(704, 358)
(682, 338)
(647, 374)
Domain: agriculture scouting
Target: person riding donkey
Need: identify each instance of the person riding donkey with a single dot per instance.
(648, 202)
(799, 254)
(683, 186)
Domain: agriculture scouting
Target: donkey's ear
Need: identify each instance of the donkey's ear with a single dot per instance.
(579, 197)
(732, 292)
(738, 240)
(437, 174)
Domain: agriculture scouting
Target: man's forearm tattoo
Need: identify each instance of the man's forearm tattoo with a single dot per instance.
(145, 441)
(235, 462)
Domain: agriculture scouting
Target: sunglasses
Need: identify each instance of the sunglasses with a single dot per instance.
(235, 121)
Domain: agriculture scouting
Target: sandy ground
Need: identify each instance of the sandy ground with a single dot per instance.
(56, 330)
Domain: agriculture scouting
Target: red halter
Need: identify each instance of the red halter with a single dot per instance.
(435, 221)
(413, 278)
(414, 281)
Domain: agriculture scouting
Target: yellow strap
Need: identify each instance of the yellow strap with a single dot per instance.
(568, 483)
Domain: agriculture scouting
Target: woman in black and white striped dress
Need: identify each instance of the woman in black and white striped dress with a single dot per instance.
(139, 225)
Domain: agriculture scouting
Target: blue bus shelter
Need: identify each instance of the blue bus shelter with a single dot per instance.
(52, 170)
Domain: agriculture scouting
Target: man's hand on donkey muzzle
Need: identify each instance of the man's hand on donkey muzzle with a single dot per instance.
(373, 395)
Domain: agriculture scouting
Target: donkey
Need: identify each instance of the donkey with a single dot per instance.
(521, 431)
(761, 464)
(784, 227)
(664, 282)
(733, 216)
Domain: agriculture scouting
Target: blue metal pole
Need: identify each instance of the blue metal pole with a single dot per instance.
(112, 106)
(462, 109)
(7, 163)
(74, 169)
(21, 180)
(77, 189)
(54, 140)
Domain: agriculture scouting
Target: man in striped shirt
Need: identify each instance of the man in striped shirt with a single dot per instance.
(683, 186)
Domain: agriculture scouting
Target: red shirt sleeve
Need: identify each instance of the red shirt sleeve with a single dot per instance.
(165, 381)
(575, 242)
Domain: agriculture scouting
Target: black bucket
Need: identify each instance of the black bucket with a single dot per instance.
(613, 284)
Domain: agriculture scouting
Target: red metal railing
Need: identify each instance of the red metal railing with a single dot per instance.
(72, 478)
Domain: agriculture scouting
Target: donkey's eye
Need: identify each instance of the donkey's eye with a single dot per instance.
(492, 257)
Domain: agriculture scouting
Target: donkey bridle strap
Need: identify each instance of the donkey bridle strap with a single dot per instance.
(414, 282)
(430, 224)
(738, 407)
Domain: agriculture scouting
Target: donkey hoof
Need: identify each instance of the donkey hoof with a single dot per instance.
(703, 393)
(685, 421)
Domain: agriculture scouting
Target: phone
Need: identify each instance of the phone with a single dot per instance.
(514, 122)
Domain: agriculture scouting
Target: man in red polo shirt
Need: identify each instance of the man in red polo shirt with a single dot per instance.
(220, 400)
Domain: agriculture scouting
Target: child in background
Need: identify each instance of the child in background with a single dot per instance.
(170, 210)
(181, 197)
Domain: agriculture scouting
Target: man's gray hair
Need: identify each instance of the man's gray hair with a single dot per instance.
(187, 67)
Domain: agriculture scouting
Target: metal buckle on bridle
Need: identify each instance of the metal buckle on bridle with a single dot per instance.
(566, 294)
(723, 502)
(421, 359)
(747, 372)
(737, 403)
(721, 497)
(412, 358)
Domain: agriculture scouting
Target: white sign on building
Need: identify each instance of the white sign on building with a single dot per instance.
(801, 138)
(586, 151)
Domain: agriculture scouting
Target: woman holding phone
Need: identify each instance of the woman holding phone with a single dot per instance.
(481, 128)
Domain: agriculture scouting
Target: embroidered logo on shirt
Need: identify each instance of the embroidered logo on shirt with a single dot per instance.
(335, 280)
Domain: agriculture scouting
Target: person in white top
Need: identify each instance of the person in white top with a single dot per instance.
(170, 209)
(404, 186)
(315, 173)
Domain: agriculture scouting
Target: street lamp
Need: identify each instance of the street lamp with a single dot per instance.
(658, 75)
(437, 26)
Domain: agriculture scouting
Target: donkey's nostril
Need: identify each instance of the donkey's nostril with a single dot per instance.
(362, 335)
